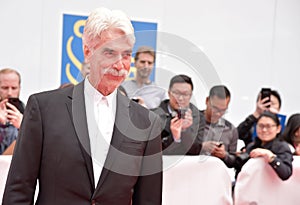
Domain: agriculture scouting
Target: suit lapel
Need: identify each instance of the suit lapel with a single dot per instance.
(77, 111)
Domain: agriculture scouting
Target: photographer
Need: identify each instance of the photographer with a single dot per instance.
(182, 122)
(268, 145)
(271, 103)
(10, 115)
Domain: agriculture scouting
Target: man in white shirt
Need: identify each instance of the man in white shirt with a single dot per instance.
(90, 144)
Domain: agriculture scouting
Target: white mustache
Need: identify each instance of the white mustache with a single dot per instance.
(115, 72)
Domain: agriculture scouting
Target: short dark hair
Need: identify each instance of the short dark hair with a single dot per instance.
(181, 79)
(271, 115)
(221, 91)
(144, 49)
(292, 125)
(276, 94)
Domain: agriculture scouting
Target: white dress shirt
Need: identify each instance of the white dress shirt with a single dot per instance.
(100, 113)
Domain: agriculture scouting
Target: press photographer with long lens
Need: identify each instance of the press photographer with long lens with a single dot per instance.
(183, 123)
(11, 108)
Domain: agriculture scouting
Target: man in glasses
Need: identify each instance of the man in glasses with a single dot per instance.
(183, 123)
(220, 136)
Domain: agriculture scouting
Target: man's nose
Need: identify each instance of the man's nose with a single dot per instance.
(9, 92)
(118, 64)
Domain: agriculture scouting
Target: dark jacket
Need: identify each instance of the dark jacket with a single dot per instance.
(190, 138)
(282, 164)
(246, 128)
(53, 147)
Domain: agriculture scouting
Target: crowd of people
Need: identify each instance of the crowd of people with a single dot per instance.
(118, 130)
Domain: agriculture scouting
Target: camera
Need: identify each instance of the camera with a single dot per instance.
(17, 103)
(220, 144)
(266, 92)
(181, 113)
(135, 100)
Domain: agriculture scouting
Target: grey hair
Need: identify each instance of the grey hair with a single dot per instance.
(102, 19)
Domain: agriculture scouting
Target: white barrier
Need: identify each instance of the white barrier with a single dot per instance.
(4, 167)
(196, 180)
(258, 184)
(192, 180)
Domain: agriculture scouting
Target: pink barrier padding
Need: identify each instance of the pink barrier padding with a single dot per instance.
(196, 180)
(258, 184)
(4, 167)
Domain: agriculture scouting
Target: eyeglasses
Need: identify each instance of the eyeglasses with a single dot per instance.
(267, 126)
(217, 110)
(177, 94)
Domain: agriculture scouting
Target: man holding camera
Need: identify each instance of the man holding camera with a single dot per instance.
(10, 116)
(182, 122)
(220, 136)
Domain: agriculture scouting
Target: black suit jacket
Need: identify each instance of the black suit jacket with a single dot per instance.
(53, 148)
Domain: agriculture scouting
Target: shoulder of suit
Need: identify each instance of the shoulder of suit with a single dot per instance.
(55, 93)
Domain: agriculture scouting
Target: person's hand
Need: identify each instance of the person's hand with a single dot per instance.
(261, 106)
(176, 127)
(3, 112)
(209, 146)
(187, 120)
(260, 152)
(219, 151)
(297, 149)
(140, 101)
(14, 116)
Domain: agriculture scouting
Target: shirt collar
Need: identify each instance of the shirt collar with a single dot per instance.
(96, 95)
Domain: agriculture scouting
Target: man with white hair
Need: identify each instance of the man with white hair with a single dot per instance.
(90, 144)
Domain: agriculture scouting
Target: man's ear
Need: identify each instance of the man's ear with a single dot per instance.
(207, 101)
(86, 52)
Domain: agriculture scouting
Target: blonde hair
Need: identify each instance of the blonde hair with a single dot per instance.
(10, 70)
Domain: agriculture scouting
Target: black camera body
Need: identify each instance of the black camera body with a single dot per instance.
(266, 92)
(17, 103)
(135, 100)
(181, 113)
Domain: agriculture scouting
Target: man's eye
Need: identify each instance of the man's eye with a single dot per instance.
(126, 55)
(109, 53)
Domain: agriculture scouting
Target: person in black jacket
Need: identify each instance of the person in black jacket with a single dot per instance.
(182, 121)
(246, 128)
(269, 146)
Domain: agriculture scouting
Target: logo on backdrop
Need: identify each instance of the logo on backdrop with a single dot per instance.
(72, 54)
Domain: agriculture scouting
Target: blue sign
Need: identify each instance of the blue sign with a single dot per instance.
(72, 53)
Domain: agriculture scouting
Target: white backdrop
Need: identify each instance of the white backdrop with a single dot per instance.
(250, 43)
